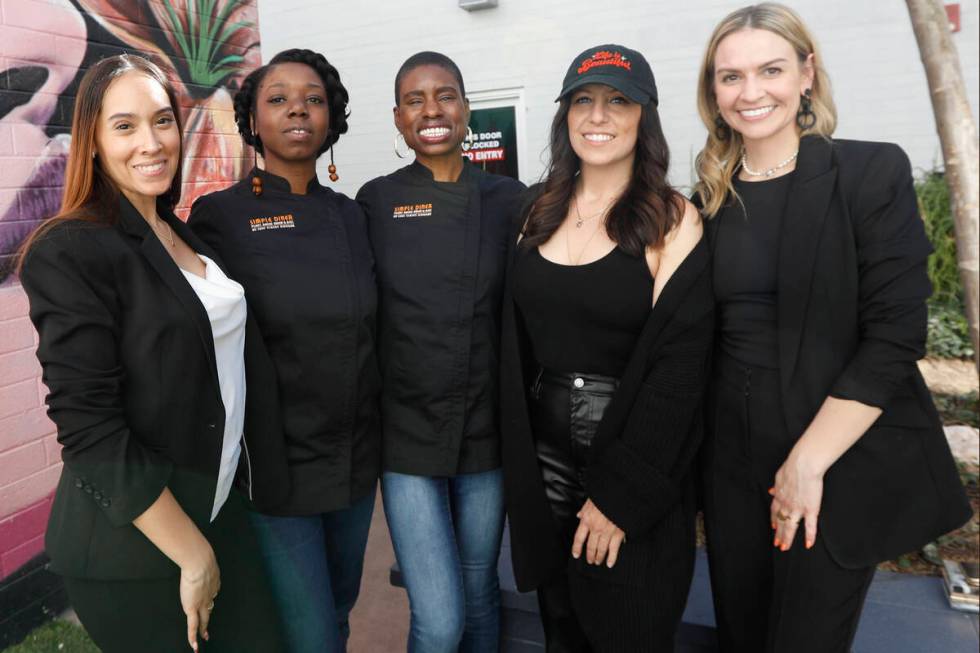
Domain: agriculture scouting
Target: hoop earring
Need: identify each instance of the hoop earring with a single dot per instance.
(805, 118)
(722, 130)
(398, 135)
(470, 138)
(332, 169)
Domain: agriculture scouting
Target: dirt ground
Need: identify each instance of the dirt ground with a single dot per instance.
(950, 376)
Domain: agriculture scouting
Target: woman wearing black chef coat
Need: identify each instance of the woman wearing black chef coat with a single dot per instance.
(439, 231)
(301, 252)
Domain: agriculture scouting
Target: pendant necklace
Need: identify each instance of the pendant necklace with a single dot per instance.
(170, 233)
(768, 172)
(579, 221)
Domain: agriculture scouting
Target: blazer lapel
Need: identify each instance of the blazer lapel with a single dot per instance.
(131, 222)
(803, 219)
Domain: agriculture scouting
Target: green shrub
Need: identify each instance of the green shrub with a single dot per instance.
(949, 335)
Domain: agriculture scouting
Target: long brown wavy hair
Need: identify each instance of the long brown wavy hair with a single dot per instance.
(89, 193)
(643, 214)
(717, 162)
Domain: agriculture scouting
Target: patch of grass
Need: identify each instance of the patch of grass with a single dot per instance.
(56, 636)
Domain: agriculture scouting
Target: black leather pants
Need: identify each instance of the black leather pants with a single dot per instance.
(565, 410)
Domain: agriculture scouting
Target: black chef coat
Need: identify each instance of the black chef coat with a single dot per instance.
(306, 265)
(441, 250)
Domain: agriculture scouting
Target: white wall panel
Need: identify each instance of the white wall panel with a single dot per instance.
(869, 50)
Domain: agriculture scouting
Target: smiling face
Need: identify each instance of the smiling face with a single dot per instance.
(603, 125)
(137, 139)
(291, 115)
(432, 113)
(758, 82)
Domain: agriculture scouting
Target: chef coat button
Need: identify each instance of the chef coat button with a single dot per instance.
(97, 496)
(106, 503)
(88, 489)
(578, 382)
(79, 483)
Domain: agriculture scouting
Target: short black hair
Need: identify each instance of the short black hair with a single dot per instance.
(337, 96)
(428, 58)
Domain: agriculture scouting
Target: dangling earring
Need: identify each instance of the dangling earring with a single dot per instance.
(722, 130)
(398, 135)
(256, 180)
(470, 138)
(805, 118)
(332, 169)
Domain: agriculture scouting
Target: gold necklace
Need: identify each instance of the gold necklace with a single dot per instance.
(580, 220)
(170, 232)
(577, 260)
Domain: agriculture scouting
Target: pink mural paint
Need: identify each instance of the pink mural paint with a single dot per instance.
(45, 46)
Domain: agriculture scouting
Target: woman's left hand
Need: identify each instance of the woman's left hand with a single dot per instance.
(796, 495)
(601, 537)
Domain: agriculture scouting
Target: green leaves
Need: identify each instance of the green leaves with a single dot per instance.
(200, 40)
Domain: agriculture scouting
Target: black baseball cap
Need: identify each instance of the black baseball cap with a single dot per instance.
(613, 65)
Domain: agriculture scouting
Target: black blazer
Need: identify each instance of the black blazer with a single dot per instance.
(128, 358)
(851, 321)
(640, 458)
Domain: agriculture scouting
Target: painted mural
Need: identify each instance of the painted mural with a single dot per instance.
(45, 45)
(207, 46)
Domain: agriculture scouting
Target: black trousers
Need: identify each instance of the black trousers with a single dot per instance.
(799, 601)
(122, 616)
(592, 608)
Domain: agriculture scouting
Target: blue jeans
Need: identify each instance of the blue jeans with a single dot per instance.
(446, 534)
(314, 565)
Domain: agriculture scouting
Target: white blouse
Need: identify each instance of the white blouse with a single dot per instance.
(224, 301)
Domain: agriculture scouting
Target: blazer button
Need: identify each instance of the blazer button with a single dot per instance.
(105, 503)
(579, 382)
(212, 425)
(79, 484)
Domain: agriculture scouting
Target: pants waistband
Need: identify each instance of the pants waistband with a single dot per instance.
(585, 381)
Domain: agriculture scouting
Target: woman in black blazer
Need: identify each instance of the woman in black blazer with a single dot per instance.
(825, 454)
(147, 392)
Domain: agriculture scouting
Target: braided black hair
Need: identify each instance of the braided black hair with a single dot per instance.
(428, 58)
(337, 96)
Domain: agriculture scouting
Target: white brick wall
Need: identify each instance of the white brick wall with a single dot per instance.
(868, 45)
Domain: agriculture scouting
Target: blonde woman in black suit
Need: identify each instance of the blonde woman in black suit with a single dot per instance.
(142, 340)
(824, 454)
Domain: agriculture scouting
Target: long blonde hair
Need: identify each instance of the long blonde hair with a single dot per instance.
(717, 162)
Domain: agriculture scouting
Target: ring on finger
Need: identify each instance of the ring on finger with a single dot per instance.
(781, 516)
(211, 606)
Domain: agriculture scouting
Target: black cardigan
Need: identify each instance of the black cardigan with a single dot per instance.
(128, 358)
(645, 444)
(851, 323)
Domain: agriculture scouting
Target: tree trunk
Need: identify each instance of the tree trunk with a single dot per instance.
(958, 136)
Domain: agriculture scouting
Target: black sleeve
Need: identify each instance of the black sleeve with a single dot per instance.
(636, 480)
(892, 251)
(72, 291)
(205, 224)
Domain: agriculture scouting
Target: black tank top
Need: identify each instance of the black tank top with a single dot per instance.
(746, 253)
(583, 318)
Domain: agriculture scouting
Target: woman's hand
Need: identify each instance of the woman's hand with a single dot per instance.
(199, 585)
(604, 537)
(796, 494)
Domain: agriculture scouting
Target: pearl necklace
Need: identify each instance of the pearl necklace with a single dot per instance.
(768, 172)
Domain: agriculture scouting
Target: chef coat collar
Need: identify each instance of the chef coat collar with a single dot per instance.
(279, 184)
(420, 170)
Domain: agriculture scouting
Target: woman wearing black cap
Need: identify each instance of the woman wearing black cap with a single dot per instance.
(607, 330)
(440, 229)
(301, 251)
